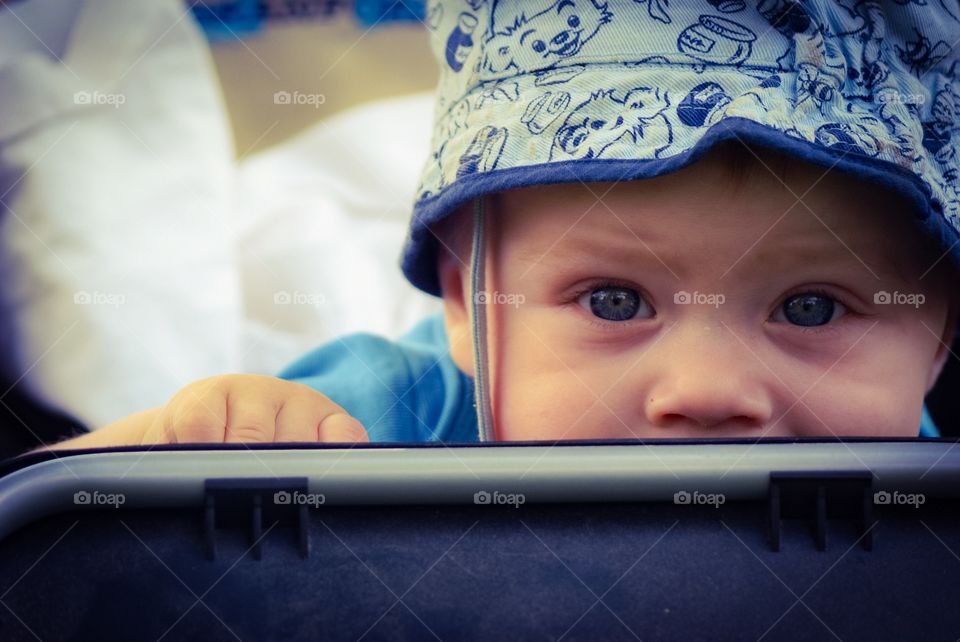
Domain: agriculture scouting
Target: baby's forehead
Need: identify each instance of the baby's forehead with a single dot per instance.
(758, 227)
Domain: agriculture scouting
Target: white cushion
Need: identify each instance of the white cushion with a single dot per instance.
(323, 219)
(116, 170)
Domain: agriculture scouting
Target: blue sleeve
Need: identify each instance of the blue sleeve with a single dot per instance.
(404, 391)
(927, 427)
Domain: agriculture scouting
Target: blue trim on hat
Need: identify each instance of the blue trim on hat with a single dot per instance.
(419, 260)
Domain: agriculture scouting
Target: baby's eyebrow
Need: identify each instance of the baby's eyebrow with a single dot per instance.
(875, 266)
(772, 253)
(589, 249)
(651, 253)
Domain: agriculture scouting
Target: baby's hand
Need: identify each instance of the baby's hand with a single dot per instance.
(251, 408)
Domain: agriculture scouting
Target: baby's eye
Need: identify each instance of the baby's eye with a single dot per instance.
(809, 309)
(573, 21)
(539, 46)
(615, 303)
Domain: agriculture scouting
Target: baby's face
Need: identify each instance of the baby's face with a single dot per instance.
(675, 307)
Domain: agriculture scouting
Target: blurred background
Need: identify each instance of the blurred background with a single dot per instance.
(197, 188)
(331, 47)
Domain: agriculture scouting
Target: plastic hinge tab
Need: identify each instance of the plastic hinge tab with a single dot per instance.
(246, 501)
(816, 494)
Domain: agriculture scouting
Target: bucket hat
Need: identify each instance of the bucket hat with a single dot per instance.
(544, 91)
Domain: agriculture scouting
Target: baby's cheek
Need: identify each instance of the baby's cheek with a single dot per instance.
(873, 408)
(546, 396)
(547, 406)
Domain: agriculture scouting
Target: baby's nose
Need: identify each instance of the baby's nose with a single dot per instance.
(699, 407)
(709, 389)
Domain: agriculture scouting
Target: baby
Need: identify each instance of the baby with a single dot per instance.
(739, 225)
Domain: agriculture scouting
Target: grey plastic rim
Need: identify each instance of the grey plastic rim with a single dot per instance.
(454, 475)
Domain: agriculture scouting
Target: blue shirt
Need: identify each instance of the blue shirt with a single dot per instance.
(407, 390)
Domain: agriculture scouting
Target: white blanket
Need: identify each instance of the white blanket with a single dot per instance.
(136, 256)
(321, 225)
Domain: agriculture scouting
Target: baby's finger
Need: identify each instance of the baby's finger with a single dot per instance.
(156, 433)
(250, 418)
(301, 414)
(342, 428)
(198, 413)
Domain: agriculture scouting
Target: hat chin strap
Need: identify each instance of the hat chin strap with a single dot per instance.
(478, 307)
